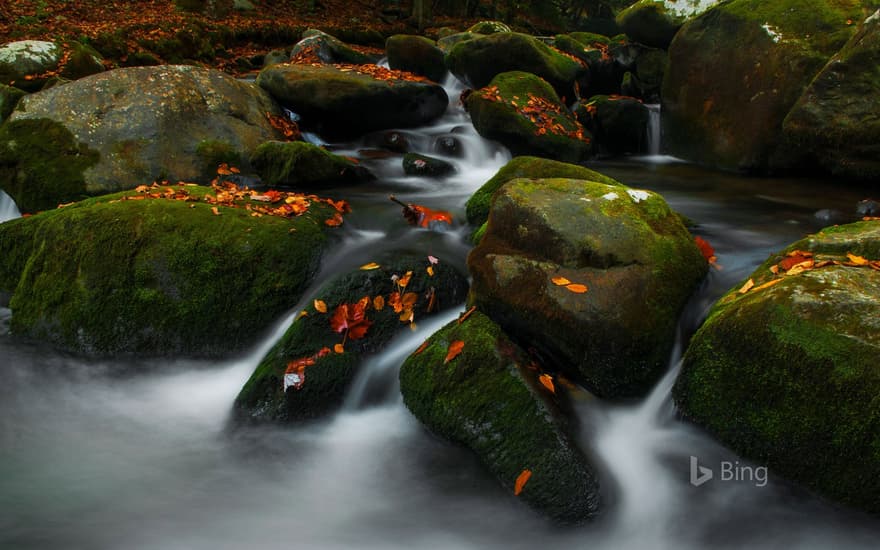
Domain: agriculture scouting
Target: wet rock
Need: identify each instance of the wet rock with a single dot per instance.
(833, 124)
(488, 27)
(266, 398)
(449, 146)
(328, 49)
(276, 56)
(636, 261)
(499, 112)
(735, 73)
(9, 97)
(346, 104)
(304, 166)
(532, 168)
(123, 128)
(416, 54)
(446, 43)
(152, 277)
(490, 400)
(423, 165)
(868, 207)
(787, 375)
(82, 61)
(395, 141)
(619, 124)
(655, 22)
(477, 62)
(28, 58)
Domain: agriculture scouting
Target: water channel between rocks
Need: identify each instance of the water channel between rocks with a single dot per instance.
(132, 454)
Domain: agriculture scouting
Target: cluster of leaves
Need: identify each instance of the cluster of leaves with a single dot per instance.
(707, 251)
(421, 216)
(286, 127)
(576, 288)
(546, 116)
(797, 262)
(351, 320)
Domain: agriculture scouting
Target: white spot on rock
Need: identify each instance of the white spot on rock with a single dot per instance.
(610, 196)
(637, 195)
(772, 32)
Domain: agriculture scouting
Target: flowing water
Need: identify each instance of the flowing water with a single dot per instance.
(136, 454)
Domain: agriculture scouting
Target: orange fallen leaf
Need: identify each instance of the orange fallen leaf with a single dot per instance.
(421, 348)
(576, 288)
(403, 281)
(560, 281)
(453, 350)
(378, 303)
(320, 306)
(793, 260)
(339, 348)
(430, 271)
(521, 481)
(768, 284)
(467, 314)
(705, 249)
(799, 268)
(369, 266)
(547, 381)
(215, 210)
(747, 287)
(857, 260)
(336, 220)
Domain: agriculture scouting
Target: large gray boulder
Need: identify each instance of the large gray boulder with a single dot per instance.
(786, 372)
(594, 275)
(128, 127)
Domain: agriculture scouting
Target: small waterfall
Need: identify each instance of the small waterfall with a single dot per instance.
(653, 130)
(8, 209)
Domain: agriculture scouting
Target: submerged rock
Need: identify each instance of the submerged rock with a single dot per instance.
(736, 71)
(526, 167)
(489, 399)
(594, 275)
(522, 112)
(787, 375)
(305, 166)
(154, 276)
(347, 103)
(423, 165)
(268, 395)
(478, 61)
(123, 128)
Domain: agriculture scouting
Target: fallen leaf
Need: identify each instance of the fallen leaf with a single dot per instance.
(857, 260)
(793, 260)
(403, 281)
(215, 210)
(560, 281)
(521, 481)
(433, 260)
(421, 348)
(576, 288)
(466, 314)
(705, 248)
(369, 266)
(336, 220)
(768, 284)
(339, 348)
(320, 306)
(799, 268)
(430, 271)
(747, 287)
(378, 303)
(547, 381)
(453, 350)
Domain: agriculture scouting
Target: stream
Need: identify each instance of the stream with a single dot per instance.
(136, 454)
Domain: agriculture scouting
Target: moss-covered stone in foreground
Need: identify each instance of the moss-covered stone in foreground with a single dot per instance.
(305, 166)
(488, 399)
(789, 376)
(155, 276)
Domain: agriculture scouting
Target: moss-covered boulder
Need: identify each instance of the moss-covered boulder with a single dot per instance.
(328, 49)
(619, 123)
(594, 275)
(416, 54)
(123, 128)
(83, 60)
(523, 113)
(655, 22)
(156, 276)
(9, 97)
(787, 375)
(833, 124)
(737, 70)
(305, 166)
(478, 61)
(489, 399)
(446, 43)
(348, 103)
(477, 206)
(272, 396)
(22, 63)
(415, 164)
(488, 27)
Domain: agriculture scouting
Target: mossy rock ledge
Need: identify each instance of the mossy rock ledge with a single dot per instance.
(156, 277)
(119, 129)
(266, 398)
(305, 166)
(788, 375)
(636, 261)
(489, 399)
(737, 70)
(345, 104)
(523, 113)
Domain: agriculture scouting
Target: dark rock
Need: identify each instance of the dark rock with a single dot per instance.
(449, 146)
(868, 207)
(620, 124)
(488, 27)
(9, 97)
(416, 54)
(328, 49)
(305, 166)
(423, 165)
(276, 56)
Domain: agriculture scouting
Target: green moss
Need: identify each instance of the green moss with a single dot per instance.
(9, 97)
(83, 61)
(212, 153)
(154, 276)
(530, 168)
(41, 163)
(303, 164)
(490, 401)
(590, 38)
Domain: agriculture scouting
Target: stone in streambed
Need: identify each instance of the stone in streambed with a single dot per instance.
(154, 277)
(328, 49)
(415, 164)
(788, 376)
(488, 398)
(305, 166)
(626, 246)
(266, 398)
(416, 54)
